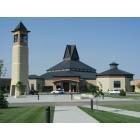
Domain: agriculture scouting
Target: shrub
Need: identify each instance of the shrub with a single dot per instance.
(122, 93)
(3, 101)
(20, 87)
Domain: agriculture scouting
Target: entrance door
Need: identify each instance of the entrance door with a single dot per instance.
(73, 88)
(66, 86)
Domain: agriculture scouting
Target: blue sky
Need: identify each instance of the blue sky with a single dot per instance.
(99, 41)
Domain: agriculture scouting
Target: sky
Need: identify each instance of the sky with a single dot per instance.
(99, 42)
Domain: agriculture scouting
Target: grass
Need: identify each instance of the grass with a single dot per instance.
(108, 117)
(23, 115)
(131, 107)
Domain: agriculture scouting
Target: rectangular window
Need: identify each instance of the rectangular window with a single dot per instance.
(16, 38)
(117, 84)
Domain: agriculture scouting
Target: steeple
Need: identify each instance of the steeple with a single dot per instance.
(20, 27)
(71, 53)
(20, 34)
(20, 65)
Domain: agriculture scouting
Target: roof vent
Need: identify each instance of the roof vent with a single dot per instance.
(113, 65)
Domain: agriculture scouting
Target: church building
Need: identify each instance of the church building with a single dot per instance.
(114, 78)
(71, 74)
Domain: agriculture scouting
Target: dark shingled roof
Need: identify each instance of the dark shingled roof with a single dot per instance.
(71, 66)
(71, 62)
(35, 77)
(114, 71)
(82, 75)
(71, 53)
(20, 27)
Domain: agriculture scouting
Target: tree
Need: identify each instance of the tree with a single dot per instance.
(96, 91)
(20, 87)
(3, 101)
(2, 69)
(91, 88)
(100, 90)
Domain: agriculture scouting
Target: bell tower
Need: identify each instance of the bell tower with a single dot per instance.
(20, 68)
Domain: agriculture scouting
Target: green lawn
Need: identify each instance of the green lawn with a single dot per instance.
(23, 115)
(108, 117)
(131, 107)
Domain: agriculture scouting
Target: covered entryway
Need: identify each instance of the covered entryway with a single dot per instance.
(69, 84)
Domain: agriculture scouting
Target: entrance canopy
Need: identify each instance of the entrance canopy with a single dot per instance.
(69, 84)
(72, 79)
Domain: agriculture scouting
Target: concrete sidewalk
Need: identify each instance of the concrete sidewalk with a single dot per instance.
(71, 114)
(118, 111)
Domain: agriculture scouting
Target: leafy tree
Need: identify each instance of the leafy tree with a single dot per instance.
(96, 91)
(100, 90)
(3, 101)
(1, 68)
(20, 87)
(91, 88)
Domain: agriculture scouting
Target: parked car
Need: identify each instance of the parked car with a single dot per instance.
(114, 91)
(58, 91)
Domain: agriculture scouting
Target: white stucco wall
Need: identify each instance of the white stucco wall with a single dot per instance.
(19, 68)
(108, 82)
(93, 82)
(35, 82)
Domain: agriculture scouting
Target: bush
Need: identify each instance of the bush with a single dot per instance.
(122, 93)
(3, 101)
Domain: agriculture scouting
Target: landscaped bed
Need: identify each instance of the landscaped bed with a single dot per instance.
(108, 117)
(24, 115)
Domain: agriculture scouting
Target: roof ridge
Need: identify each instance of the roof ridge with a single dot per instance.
(115, 72)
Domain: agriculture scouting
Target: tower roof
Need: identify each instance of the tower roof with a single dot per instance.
(114, 71)
(71, 62)
(113, 65)
(20, 27)
(71, 53)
